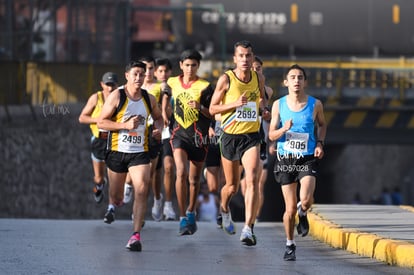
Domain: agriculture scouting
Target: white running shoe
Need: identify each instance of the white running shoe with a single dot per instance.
(247, 237)
(169, 213)
(128, 192)
(156, 210)
(227, 223)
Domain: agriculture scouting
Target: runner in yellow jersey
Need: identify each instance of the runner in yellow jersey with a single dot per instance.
(89, 115)
(125, 114)
(189, 139)
(238, 97)
(265, 120)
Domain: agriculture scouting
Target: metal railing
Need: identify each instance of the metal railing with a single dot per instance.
(65, 83)
(390, 78)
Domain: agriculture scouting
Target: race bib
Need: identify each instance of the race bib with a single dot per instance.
(132, 137)
(296, 142)
(132, 141)
(247, 113)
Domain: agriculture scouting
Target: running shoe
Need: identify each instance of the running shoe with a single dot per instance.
(134, 243)
(219, 220)
(303, 225)
(156, 210)
(98, 191)
(290, 253)
(247, 237)
(169, 213)
(109, 216)
(192, 225)
(184, 230)
(227, 223)
(128, 193)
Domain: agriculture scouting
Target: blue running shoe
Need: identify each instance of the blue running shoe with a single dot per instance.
(184, 227)
(227, 223)
(192, 226)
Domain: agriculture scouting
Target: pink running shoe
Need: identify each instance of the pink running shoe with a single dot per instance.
(134, 243)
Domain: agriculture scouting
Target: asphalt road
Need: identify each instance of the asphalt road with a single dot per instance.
(93, 247)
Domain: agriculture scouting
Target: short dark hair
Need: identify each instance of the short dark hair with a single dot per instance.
(147, 59)
(257, 59)
(134, 64)
(296, 67)
(163, 62)
(191, 54)
(244, 43)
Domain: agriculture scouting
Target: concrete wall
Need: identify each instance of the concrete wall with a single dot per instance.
(46, 169)
(368, 169)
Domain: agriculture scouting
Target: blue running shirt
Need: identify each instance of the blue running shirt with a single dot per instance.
(300, 139)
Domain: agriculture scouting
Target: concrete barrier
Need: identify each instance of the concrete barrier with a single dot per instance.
(393, 252)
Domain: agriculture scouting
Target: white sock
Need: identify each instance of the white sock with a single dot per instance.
(247, 228)
(168, 203)
(290, 242)
(111, 207)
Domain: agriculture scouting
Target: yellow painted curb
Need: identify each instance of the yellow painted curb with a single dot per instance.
(407, 207)
(390, 251)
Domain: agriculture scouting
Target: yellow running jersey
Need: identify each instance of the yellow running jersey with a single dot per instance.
(131, 141)
(182, 94)
(244, 119)
(96, 112)
(155, 91)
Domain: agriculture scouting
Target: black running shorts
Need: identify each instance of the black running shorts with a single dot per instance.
(120, 162)
(166, 148)
(213, 158)
(155, 150)
(232, 147)
(194, 152)
(290, 169)
(98, 148)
